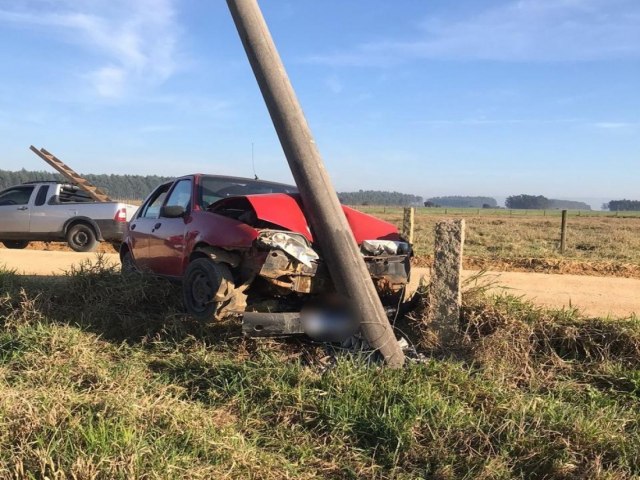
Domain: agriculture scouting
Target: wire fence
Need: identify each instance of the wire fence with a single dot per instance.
(439, 211)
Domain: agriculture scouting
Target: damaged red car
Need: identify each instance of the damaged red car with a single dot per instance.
(241, 245)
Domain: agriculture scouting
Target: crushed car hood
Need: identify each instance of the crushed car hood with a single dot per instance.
(286, 211)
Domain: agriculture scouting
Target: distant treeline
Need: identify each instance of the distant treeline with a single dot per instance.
(461, 202)
(569, 205)
(622, 206)
(137, 187)
(376, 197)
(539, 202)
(134, 187)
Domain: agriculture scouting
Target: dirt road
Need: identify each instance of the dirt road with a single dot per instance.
(40, 262)
(595, 296)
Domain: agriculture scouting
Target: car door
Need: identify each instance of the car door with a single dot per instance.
(14, 209)
(143, 224)
(42, 218)
(167, 239)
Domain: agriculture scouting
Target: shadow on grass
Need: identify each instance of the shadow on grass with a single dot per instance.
(94, 296)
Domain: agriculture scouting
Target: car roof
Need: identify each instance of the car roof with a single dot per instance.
(244, 179)
(36, 182)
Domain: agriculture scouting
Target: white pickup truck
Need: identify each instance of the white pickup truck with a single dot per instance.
(52, 211)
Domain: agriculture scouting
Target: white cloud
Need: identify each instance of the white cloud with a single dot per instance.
(520, 31)
(133, 42)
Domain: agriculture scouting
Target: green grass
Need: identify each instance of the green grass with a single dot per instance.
(102, 377)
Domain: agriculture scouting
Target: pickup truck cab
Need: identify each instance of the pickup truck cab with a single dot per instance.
(237, 243)
(52, 211)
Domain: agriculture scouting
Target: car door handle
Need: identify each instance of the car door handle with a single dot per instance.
(23, 208)
(157, 226)
(132, 226)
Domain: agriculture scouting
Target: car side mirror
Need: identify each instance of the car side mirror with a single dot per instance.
(172, 211)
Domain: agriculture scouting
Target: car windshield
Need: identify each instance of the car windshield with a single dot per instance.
(213, 189)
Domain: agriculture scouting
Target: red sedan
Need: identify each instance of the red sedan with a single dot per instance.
(238, 244)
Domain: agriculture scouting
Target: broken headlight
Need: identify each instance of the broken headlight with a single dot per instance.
(293, 244)
(385, 247)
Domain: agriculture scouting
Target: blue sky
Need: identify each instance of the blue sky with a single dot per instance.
(431, 97)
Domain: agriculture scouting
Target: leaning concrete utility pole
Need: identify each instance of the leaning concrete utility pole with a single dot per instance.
(323, 209)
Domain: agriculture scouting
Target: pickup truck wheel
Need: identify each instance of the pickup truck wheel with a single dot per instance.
(15, 244)
(82, 238)
(200, 286)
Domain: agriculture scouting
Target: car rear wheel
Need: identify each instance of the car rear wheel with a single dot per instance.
(15, 244)
(82, 238)
(203, 287)
(128, 264)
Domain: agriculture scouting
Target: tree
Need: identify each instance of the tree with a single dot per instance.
(457, 201)
(528, 202)
(623, 205)
(568, 205)
(131, 187)
(378, 197)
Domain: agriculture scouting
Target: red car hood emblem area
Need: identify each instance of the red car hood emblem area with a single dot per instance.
(285, 210)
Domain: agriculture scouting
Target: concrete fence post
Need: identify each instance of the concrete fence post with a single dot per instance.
(408, 223)
(445, 291)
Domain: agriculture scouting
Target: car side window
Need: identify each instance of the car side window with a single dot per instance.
(16, 196)
(152, 208)
(180, 195)
(42, 195)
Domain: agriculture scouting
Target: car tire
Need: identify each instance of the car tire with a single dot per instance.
(15, 244)
(201, 286)
(128, 264)
(82, 238)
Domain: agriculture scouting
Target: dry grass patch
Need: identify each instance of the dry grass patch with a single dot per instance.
(596, 245)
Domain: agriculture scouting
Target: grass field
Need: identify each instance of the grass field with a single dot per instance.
(597, 243)
(101, 377)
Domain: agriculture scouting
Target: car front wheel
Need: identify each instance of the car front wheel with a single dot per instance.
(204, 286)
